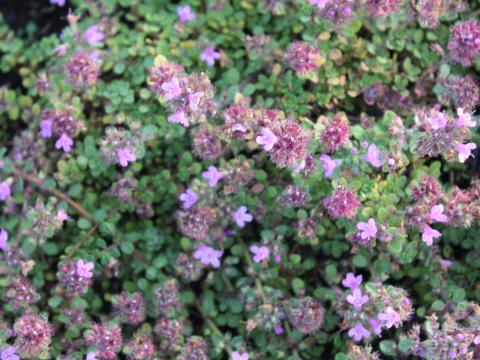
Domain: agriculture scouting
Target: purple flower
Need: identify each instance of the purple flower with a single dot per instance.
(241, 216)
(3, 239)
(329, 165)
(465, 151)
(374, 156)
(94, 36)
(278, 330)
(9, 353)
(46, 128)
(209, 55)
(464, 119)
(92, 355)
(124, 156)
(58, 2)
(194, 100)
(351, 281)
(171, 89)
(213, 176)
(267, 139)
(261, 253)
(185, 14)
(65, 143)
(390, 318)
(179, 118)
(83, 269)
(368, 230)
(189, 198)
(376, 326)
(62, 216)
(357, 299)
(439, 121)
(436, 214)
(239, 356)
(358, 332)
(208, 255)
(4, 191)
(319, 3)
(428, 234)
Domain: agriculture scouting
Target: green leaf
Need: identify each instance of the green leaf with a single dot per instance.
(359, 261)
(233, 76)
(388, 347)
(404, 345)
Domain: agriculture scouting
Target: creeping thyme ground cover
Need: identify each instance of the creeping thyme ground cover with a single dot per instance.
(245, 179)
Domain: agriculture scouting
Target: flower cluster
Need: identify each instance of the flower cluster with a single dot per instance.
(464, 44)
(62, 125)
(107, 338)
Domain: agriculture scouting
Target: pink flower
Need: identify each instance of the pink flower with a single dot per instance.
(241, 216)
(436, 214)
(209, 55)
(58, 2)
(368, 230)
(351, 281)
(329, 165)
(62, 216)
(376, 326)
(171, 89)
(267, 139)
(439, 121)
(3, 239)
(124, 156)
(46, 128)
(357, 299)
(261, 253)
(94, 36)
(92, 355)
(374, 156)
(208, 255)
(9, 353)
(65, 143)
(319, 3)
(83, 269)
(278, 330)
(213, 176)
(185, 14)
(428, 234)
(4, 191)
(464, 119)
(194, 100)
(179, 118)
(465, 151)
(390, 318)
(189, 198)
(239, 356)
(358, 332)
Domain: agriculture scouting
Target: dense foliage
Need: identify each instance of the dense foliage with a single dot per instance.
(245, 179)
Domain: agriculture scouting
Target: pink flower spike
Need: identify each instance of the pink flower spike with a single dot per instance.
(437, 215)
(209, 55)
(239, 356)
(465, 151)
(194, 100)
(84, 270)
(368, 230)
(125, 156)
(357, 299)
(358, 332)
(94, 36)
(329, 165)
(46, 128)
(185, 14)
(241, 216)
(3, 239)
(428, 234)
(262, 253)
(351, 281)
(464, 119)
(171, 89)
(374, 156)
(267, 139)
(390, 318)
(189, 198)
(65, 143)
(179, 118)
(438, 122)
(5, 192)
(213, 176)
(208, 255)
